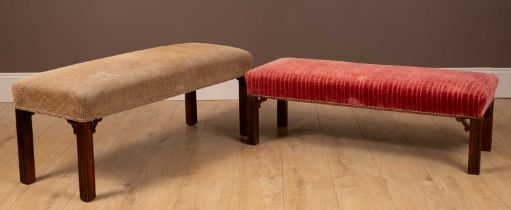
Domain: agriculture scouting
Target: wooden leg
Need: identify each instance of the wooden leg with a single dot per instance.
(84, 133)
(487, 129)
(242, 105)
(191, 108)
(253, 120)
(25, 146)
(281, 113)
(474, 151)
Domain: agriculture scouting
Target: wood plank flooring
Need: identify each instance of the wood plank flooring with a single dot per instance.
(329, 157)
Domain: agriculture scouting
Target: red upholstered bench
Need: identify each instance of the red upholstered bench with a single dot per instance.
(460, 94)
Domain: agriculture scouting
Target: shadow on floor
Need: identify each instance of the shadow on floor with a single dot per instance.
(177, 150)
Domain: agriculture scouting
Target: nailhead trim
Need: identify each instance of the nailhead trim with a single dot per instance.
(369, 107)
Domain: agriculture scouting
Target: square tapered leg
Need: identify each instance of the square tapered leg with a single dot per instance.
(281, 113)
(25, 146)
(474, 153)
(84, 132)
(253, 120)
(191, 108)
(242, 106)
(487, 129)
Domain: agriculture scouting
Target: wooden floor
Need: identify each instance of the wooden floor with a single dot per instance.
(330, 157)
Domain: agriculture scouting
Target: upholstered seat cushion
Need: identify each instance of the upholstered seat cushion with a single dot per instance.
(411, 89)
(94, 89)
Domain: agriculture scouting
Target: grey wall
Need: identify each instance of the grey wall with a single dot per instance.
(41, 35)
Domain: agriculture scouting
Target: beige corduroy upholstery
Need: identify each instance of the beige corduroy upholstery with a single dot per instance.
(94, 89)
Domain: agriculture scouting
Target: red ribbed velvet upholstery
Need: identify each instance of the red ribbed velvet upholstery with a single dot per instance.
(402, 88)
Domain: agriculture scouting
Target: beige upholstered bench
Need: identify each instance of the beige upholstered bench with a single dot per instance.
(85, 93)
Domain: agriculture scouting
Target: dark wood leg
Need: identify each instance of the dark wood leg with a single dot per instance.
(487, 129)
(474, 151)
(253, 120)
(281, 113)
(191, 108)
(25, 146)
(243, 105)
(84, 133)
